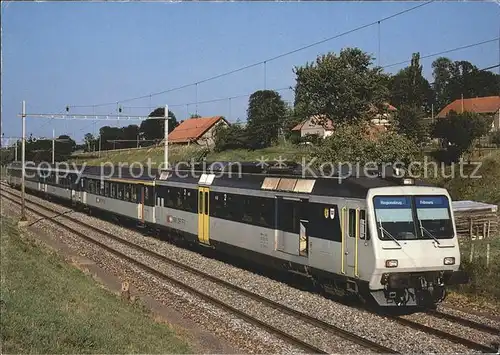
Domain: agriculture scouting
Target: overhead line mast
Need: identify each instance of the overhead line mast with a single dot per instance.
(68, 116)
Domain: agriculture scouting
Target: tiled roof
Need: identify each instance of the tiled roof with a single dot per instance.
(315, 120)
(329, 123)
(192, 129)
(488, 104)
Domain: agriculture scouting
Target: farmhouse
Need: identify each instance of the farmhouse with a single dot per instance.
(197, 131)
(488, 106)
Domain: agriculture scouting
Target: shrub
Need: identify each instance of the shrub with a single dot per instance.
(352, 143)
(495, 138)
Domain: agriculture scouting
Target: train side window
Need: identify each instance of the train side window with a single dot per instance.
(147, 196)
(265, 208)
(206, 203)
(235, 207)
(134, 193)
(363, 226)
(178, 199)
(352, 222)
(200, 202)
(288, 216)
(140, 192)
(167, 194)
(247, 209)
(106, 189)
(190, 200)
(216, 204)
(126, 189)
(120, 191)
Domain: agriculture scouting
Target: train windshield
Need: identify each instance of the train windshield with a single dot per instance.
(394, 217)
(418, 217)
(434, 218)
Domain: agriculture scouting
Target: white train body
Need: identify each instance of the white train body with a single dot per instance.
(392, 242)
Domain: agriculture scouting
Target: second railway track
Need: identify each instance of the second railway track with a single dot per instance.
(333, 331)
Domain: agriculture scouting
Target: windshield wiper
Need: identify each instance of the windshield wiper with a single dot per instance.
(383, 230)
(422, 230)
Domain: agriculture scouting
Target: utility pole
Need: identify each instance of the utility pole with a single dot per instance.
(53, 146)
(15, 154)
(65, 117)
(165, 140)
(23, 173)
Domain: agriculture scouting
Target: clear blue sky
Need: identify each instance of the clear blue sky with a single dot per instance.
(56, 54)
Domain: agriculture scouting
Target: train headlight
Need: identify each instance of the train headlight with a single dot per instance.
(408, 181)
(449, 260)
(391, 263)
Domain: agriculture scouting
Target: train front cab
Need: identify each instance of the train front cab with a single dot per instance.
(415, 245)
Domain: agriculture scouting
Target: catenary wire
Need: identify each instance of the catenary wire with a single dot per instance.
(262, 61)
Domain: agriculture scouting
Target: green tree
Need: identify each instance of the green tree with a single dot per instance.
(266, 113)
(352, 143)
(454, 79)
(90, 141)
(409, 122)
(345, 88)
(495, 138)
(6, 155)
(232, 137)
(64, 146)
(290, 121)
(458, 132)
(151, 129)
(130, 134)
(109, 134)
(409, 88)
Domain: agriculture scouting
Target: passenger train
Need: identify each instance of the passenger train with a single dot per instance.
(379, 236)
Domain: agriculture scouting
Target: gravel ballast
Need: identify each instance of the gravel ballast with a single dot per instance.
(364, 323)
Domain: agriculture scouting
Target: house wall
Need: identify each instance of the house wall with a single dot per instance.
(320, 131)
(313, 128)
(208, 138)
(495, 125)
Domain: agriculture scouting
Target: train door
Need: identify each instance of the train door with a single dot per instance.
(303, 235)
(140, 202)
(203, 215)
(291, 228)
(350, 238)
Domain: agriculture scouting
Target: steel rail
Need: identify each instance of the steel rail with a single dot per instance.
(464, 321)
(343, 333)
(305, 317)
(445, 335)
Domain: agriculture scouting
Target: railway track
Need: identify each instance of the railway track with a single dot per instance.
(302, 317)
(446, 335)
(316, 322)
(467, 322)
(492, 317)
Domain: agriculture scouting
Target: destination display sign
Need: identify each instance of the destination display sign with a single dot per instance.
(392, 202)
(431, 202)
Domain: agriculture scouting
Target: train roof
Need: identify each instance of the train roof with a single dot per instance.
(341, 181)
